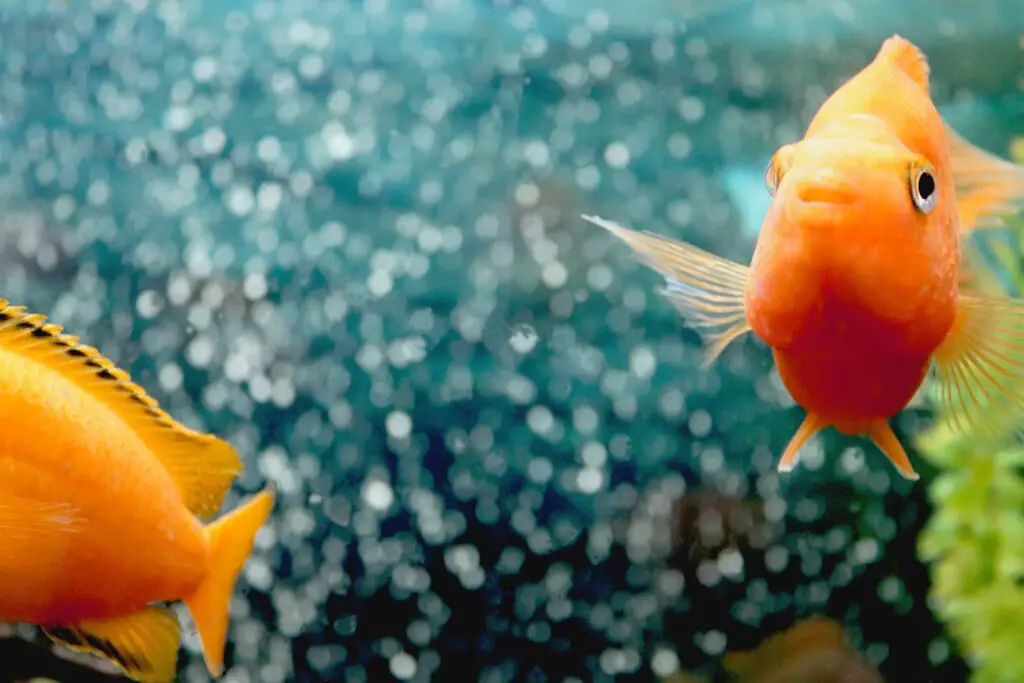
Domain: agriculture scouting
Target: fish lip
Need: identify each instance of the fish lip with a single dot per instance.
(820, 212)
(819, 206)
(825, 196)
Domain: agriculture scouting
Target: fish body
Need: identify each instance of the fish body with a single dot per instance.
(852, 284)
(101, 500)
(856, 279)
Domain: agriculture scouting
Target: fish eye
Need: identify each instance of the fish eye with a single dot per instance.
(771, 177)
(923, 188)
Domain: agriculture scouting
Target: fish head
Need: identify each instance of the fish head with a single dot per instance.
(863, 211)
(859, 186)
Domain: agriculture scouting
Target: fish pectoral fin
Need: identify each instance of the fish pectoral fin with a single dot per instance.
(811, 425)
(35, 540)
(987, 186)
(144, 645)
(202, 465)
(708, 291)
(976, 276)
(883, 437)
(980, 364)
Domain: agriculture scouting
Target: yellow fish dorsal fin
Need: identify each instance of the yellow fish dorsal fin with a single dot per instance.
(907, 57)
(144, 645)
(202, 465)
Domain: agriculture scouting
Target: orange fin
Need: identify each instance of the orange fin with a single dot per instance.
(907, 57)
(144, 645)
(988, 187)
(980, 364)
(35, 541)
(883, 437)
(709, 291)
(202, 465)
(231, 539)
(811, 425)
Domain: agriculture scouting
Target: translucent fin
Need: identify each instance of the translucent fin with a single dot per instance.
(976, 276)
(980, 365)
(231, 538)
(907, 57)
(811, 425)
(144, 645)
(35, 541)
(883, 437)
(988, 187)
(709, 291)
(202, 465)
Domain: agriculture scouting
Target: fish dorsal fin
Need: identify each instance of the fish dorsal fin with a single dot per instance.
(988, 187)
(202, 465)
(907, 57)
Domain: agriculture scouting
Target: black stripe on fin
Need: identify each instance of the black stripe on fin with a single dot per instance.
(203, 465)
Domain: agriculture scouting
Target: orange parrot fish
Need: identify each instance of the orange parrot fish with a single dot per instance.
(101, 496)
(855, 281)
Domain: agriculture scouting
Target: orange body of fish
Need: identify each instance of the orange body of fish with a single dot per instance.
(101, 495)
(856, 279)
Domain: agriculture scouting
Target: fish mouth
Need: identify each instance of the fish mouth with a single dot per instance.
(824, 195)
(821, 210)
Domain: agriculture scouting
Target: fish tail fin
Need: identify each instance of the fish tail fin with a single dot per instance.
(887, 441)
(811, 425)
(987, 186)
(709, 291)
(231, 539)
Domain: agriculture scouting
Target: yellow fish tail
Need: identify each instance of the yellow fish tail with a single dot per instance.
(231, 539)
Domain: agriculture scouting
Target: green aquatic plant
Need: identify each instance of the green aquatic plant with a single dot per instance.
(975, 541)
(975, 537)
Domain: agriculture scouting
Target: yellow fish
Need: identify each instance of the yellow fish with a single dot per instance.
(101, 497)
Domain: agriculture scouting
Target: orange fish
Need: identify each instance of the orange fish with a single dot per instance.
(101, 495)
(814, 650)
(855, 279)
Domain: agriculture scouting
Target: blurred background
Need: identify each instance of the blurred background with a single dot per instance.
(344, 235)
